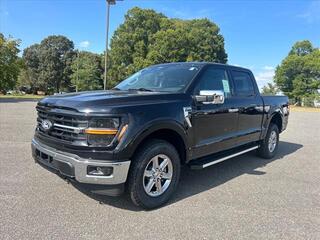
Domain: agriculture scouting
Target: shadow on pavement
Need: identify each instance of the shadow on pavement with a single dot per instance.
(193, 182)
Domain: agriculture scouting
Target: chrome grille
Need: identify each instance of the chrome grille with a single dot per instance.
(65, 127)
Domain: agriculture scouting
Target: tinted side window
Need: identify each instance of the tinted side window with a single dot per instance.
(214, 79)
(243, 83)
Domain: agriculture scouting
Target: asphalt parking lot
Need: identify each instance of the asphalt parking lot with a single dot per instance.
(242, 198)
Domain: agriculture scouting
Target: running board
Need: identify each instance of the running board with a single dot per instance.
(200, 164)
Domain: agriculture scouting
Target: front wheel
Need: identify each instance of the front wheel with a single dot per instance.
(154, 174)
(269, 145)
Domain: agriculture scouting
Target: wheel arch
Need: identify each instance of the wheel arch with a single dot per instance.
(276, 118)
(169, 131)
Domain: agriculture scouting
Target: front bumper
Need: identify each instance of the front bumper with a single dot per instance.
(73, 166)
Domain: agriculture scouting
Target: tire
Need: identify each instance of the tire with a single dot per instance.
(267, 150)
(140, 177)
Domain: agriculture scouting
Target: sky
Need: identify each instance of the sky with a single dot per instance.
(258, 34)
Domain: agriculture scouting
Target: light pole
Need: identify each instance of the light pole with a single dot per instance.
(78, 55)
(109, 2)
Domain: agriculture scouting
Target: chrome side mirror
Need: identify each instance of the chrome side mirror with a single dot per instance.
(210, 97)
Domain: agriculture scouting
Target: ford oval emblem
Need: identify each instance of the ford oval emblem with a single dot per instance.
(46, 125)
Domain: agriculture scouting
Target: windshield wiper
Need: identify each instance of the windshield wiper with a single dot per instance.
(140, 89)
(115, 88)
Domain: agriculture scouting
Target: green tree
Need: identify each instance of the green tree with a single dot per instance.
(130, 42)
(194, 40)
(9, 62)
(270, 89)
(147, 37)
(87, 71)
(298, 75)
(29, 75)
(301, 48)
(49, 63)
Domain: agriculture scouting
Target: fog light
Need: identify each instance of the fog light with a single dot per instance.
(99, 171)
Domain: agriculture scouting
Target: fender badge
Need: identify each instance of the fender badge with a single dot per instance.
(186, 113)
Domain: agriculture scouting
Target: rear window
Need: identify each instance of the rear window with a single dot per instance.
(243, 83)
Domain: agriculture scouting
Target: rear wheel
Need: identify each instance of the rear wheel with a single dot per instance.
(269, 145)
(154, 174)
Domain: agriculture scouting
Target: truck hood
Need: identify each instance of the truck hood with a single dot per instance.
(103, 101)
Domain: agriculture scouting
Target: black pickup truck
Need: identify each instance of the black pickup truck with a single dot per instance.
(136, 136)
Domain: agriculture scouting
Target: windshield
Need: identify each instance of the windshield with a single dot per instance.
(160, 78)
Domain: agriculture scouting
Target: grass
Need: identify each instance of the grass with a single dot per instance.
(25, 96)
(303, 109)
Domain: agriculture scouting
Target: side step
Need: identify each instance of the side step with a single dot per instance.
(209, 161)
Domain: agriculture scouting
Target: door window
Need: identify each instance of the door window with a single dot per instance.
(243, 83)
(214, 79)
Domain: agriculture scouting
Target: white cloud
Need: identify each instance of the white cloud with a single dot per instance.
(312, 13)
(268, 68)
(84, 44)
(264, 76)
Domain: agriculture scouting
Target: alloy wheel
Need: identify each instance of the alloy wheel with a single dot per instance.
(157, 175)
(272, 142)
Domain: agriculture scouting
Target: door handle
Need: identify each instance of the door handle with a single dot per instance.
(233, 110)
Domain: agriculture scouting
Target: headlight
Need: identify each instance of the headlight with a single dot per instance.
(102, 131)
(110, 123)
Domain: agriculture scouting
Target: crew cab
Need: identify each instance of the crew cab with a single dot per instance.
(136, 136)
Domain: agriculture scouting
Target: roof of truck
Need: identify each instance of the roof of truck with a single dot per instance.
(204, 63)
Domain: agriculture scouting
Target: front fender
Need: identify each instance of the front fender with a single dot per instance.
(138, 135)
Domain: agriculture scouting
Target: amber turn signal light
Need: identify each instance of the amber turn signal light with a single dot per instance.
(104, 131)
(122, 132)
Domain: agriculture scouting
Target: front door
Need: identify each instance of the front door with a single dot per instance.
(214, 125)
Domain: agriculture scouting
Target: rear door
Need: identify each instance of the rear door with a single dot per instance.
(249, 104)
(214, 125)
